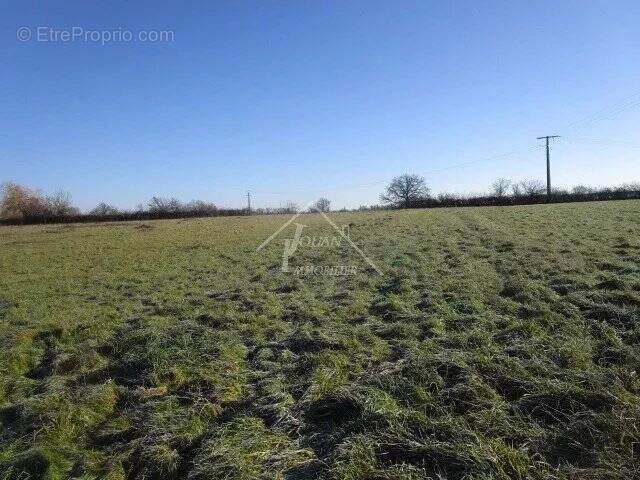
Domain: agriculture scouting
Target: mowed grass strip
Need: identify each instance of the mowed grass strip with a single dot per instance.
(499, 343)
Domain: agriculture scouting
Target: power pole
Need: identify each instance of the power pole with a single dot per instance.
(547, 137)
(249, 202)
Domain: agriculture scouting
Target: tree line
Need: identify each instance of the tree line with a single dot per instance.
(411, 191)
(22, 205)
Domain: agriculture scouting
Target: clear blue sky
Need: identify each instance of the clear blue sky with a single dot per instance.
(296, 99)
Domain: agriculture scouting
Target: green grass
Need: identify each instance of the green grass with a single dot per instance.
(500, 343)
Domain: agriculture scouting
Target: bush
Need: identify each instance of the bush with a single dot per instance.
(20, 202)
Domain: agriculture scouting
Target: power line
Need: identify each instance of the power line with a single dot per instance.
(610, 111)
(607, 112)
(424, 173)
(576, 139)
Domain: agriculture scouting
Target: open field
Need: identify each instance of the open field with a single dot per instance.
(499, 343)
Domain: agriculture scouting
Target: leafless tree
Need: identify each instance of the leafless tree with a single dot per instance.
(322, 205)
(59, 204)
(501, 187)
(532, 187)
(18, 201)
(447, 196)
(404, 190)
(159, 204)
(104, 209)
(629, 187)
(581, 190)
(289, 207)
(516, 189)
(200, 206)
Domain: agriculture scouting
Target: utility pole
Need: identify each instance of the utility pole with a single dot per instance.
(249, 202)
(547, 137)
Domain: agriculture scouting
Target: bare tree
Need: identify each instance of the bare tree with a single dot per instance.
(446, 197)
(500, 187)
(630, 187)
(104, 209)
(200, 206)
(405, 190)
(159, 204)
(322, 205)
(18, 202)
(532, 187)
(59, 204)
(516, 189)
(289, 207)
(581, 189)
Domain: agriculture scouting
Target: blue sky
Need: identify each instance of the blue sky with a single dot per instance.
(297, 99)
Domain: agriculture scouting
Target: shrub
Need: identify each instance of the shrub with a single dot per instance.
(21, 202)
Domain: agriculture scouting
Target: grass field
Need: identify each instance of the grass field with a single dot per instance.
(499, 343)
